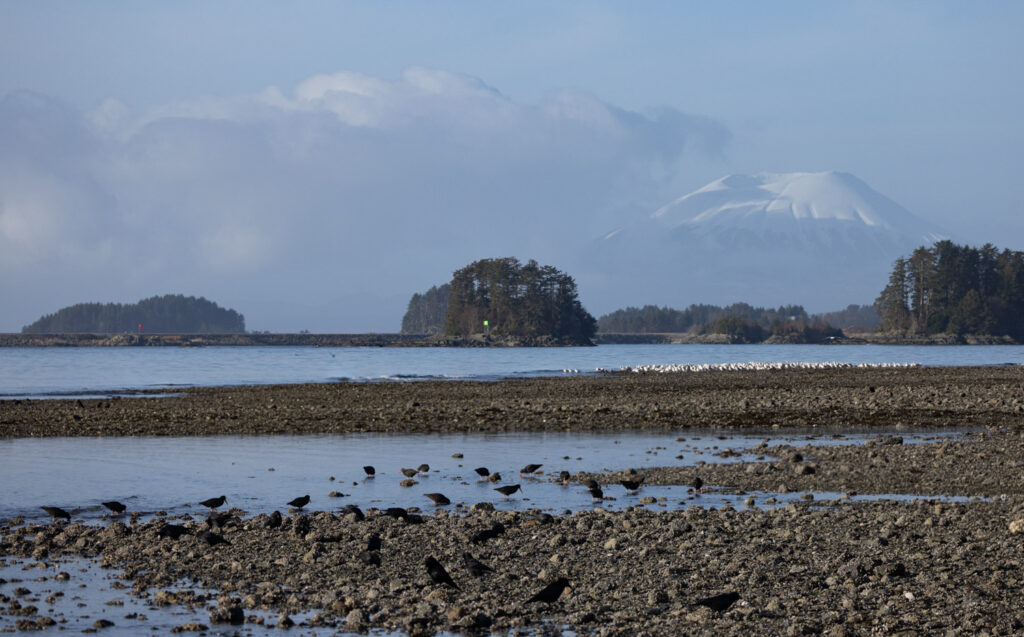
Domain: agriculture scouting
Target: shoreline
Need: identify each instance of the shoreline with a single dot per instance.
(918, 397)
(477, 340)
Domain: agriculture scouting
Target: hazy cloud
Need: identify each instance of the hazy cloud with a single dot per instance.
(321, 207)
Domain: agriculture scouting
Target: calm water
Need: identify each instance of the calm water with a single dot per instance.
(40, 371)
(262, 473)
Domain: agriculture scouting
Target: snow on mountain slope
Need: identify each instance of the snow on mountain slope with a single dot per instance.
(768, 201)
(822, 239)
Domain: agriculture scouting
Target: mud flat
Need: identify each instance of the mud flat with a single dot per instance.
(925, 397)
(835, 567)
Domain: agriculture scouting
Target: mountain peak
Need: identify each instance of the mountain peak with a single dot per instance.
(774, 200)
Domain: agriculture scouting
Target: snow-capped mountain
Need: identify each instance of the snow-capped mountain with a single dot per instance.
(820, 239)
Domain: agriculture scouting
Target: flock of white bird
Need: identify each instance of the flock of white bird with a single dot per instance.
(760, 366)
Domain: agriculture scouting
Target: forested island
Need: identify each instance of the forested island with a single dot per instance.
(953, 289)
(168, 314)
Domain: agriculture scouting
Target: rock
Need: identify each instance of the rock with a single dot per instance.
(227, 615)
(190, 628)
(804, 469)
(1017, 526)
(102, 623)
(611, 544)
(355, 620)
(285, 621)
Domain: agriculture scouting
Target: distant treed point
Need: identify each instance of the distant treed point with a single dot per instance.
(168, 314)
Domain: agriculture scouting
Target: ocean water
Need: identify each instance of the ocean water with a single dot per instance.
(37, 372)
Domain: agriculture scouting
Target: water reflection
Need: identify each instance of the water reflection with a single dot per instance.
(259, 474)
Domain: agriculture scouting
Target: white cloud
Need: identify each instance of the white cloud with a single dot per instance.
(348, 185)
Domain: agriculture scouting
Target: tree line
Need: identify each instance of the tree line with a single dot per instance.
(168, 314)
(651, 318)
(955, 289)
(427, 312)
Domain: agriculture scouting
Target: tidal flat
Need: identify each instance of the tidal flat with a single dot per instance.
(839, 566)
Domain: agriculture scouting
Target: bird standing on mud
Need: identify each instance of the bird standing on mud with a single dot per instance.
(438, 574)
(370, 471)
(298, 503)
(482, 472)
(550, 593)
(475, 567)
(698, 485)
(530, 468)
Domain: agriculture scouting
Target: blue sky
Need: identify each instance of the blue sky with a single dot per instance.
(922, 100)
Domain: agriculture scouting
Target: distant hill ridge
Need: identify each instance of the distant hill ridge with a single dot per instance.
(168, 314)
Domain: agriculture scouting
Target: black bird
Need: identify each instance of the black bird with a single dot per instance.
(370, 558)
(564, 477)
(218, 520)
(423, 468)
(369, 471)
(396, 512)
(698, 485)
(482, 472)
(590, 483)
(508, 489)
(57, 512)
(439, 499)
(475, 567)
(213, 539)
(80, 403)
(373, 542)
(632, 485)
(298, 503)
(213, 503)
(116, 507)
(414, 518)
(173, 531)
(438, 574)
(551, 592)
(487, 534)
(596, 493)
(351, 508)
(274, 520)
(408, 473)
(530, 468)
(719, 602)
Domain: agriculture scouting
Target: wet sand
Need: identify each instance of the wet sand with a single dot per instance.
(838, 568)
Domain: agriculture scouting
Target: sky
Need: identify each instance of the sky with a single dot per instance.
(313, 164)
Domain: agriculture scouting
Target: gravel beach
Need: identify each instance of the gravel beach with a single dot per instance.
(836, 567)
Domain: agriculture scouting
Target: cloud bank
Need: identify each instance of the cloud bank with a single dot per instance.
(323, 207)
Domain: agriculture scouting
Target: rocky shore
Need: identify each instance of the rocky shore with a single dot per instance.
(924, 397)
(815, 567)
(905, 568)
